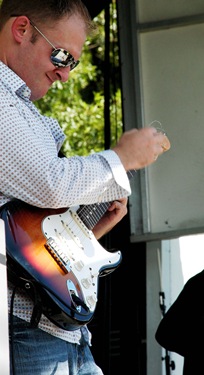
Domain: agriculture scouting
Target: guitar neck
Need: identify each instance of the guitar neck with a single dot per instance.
(92, 213)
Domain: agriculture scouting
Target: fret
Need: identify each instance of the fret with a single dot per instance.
(91, 214)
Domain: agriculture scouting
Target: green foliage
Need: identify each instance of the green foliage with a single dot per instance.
(78, 104)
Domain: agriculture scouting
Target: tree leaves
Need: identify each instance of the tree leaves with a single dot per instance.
(78, 104)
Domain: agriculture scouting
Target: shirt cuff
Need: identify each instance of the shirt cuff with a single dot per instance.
(119, 172)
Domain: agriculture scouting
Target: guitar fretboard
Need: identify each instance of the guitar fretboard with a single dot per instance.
(92, 213)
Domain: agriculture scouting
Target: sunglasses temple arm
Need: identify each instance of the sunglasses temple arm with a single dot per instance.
(35, 27)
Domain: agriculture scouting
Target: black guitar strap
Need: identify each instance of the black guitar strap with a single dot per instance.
(31, 289)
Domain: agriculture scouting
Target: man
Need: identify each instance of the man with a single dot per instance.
(40, 43)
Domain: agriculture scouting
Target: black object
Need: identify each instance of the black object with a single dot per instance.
(95, 7)
(182, 328)
(169, 365)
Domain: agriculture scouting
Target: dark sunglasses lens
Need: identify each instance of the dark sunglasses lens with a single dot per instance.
(74, 64)
(60, 57)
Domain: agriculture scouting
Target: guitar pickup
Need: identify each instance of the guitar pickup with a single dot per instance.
(59, 256)
(80, 223)
(72, 234)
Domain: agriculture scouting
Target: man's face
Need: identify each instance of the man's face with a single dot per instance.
(33, 63)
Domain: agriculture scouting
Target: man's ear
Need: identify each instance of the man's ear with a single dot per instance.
(20, 27)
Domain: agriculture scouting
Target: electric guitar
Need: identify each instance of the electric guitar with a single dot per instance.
(56, 251)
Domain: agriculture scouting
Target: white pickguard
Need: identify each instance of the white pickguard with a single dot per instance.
(81, 252)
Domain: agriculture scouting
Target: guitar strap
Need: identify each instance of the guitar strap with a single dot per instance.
(31, 289)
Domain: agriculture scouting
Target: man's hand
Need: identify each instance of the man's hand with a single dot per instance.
(113, 215)
(140, 148)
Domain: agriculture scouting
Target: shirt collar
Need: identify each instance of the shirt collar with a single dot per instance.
(15, 84)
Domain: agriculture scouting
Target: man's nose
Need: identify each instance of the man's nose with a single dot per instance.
(63, 73)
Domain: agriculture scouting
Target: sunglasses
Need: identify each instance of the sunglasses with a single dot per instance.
(59, 56)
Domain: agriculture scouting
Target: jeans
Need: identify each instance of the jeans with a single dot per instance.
(37, 352)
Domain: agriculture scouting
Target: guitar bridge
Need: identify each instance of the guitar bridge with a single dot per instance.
(59, 256)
